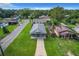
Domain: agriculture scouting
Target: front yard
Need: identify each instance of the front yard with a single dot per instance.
(10, 28)
(23, 45)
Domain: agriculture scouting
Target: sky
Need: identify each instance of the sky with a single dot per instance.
(40, 6)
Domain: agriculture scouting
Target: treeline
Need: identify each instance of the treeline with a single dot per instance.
(6, 13)
(58, 13)
(25, 13)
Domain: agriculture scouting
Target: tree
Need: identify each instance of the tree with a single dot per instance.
(6, 13)
(5, 30)
(0, 18)
(56, 14)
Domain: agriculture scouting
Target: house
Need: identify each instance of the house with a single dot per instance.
(14, 20)
(41, 19)
(61, 31)
(38, 31)
(3, 23)
(44, 17)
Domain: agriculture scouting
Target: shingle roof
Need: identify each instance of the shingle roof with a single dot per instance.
(61, 29)
(38, 28)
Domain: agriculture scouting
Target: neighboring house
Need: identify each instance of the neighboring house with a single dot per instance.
(44, 17)
(3, 23)
(38, 31)
(7, 20)
(41, 19)
(14, 20)
(62, 31)
(59, 30)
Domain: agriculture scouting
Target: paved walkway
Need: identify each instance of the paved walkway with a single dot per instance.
(40, 50)
(9, 38)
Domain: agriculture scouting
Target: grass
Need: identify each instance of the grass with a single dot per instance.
(10, 28)
(59, 47)
(23, 45)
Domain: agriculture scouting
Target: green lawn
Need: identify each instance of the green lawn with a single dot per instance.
(10, 28)
(23, 45)
(59, 47)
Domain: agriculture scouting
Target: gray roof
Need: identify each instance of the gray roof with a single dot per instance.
(38, 28)
(40, 20)
(44, 17)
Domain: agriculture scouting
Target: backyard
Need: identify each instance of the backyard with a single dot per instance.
(23, 45)
(10, 28)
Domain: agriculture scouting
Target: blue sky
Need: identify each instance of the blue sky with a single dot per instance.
(43, 6)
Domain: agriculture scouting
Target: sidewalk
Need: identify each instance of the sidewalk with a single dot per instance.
(40, 50)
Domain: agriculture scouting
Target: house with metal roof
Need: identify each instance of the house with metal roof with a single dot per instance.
(38, 31)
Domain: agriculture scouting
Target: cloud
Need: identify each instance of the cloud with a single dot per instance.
(7, 6)
(12, 6)
(43, 8)
(69, 8)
